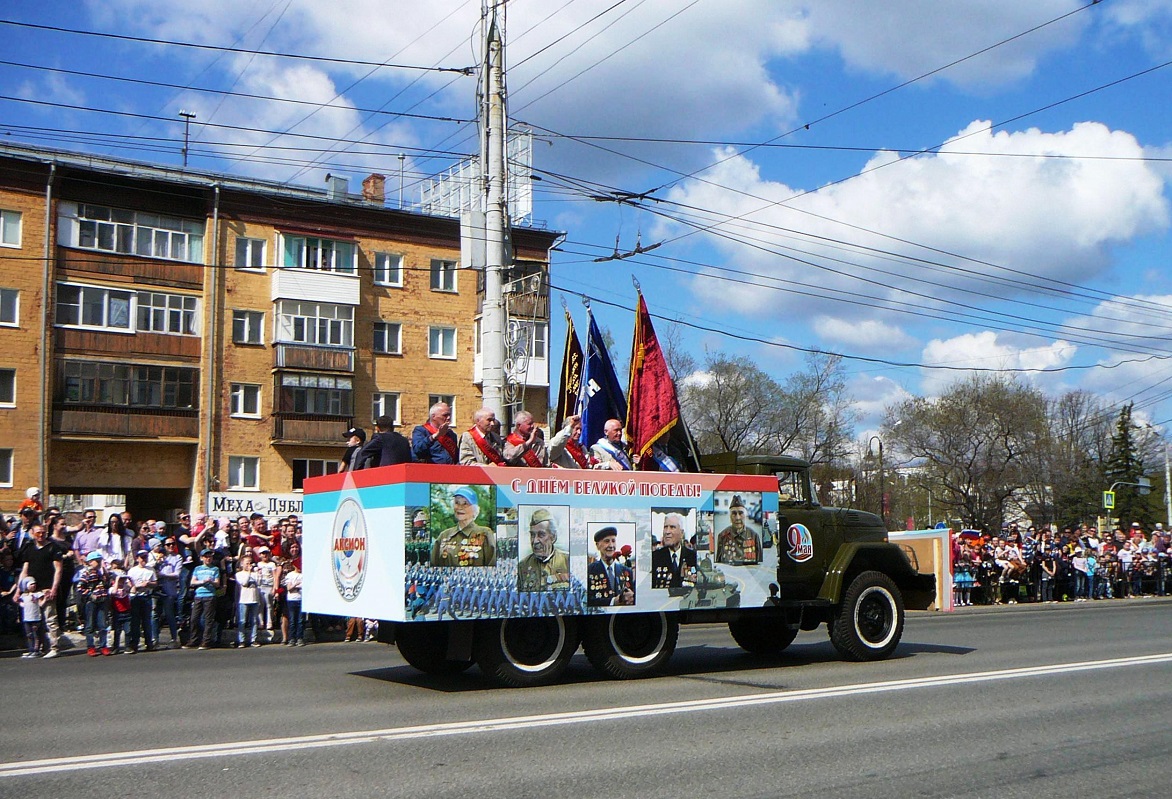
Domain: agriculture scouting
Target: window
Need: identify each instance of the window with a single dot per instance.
(388, 338)
(538, 340)
(247, 327)
(245, 400)
(5, 468)
(122, 384)
(97, 227)
(243, 472)
(10, 228)
(386, 403)
(7, 388)
(388, 269)
(250, 253)
(9, 307)
(93, 306)
(316, 394)
(441, 342)
(326, 255)
(450, 399)
(309, 467)
(443, 275)
(315, 323)
(167, 313)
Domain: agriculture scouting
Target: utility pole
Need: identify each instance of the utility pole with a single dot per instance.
(496, 211)
(187, 117)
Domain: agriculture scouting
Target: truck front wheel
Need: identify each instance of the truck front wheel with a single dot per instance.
(762, 636)
(627, 645)
(424, 645)
(523, 652)
(869, 622)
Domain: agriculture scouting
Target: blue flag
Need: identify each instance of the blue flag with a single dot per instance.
(602, 395)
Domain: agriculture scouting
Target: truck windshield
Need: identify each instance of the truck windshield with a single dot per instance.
(791, 487)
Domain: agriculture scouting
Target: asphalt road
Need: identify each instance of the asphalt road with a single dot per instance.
(1037, 701)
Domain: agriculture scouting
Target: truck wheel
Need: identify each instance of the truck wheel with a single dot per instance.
(762, 636)
(626, 645)
(524, 652)
(425, 646)
(869, 622)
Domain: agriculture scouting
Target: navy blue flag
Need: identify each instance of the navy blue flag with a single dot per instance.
(602, 395)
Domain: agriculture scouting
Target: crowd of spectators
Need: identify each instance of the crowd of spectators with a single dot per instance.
(127, 584)
(1068, 565)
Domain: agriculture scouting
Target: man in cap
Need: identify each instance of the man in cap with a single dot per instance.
(737, 545)
(673, 562)
(355, 437)
(480, 446)
(386, 447)
(466, 544)
(434, 441)
(608, 582)
(546, 568)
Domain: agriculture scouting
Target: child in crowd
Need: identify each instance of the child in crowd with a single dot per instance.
(32, 614)
(248, 597)
(119, 605)
(92, 590)
(292, 582)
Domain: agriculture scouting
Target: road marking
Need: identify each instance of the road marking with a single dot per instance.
(625, 713)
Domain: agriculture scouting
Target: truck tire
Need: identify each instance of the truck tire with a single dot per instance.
(425, 646)
(524, 652)
(762, 636)
(627, 645)
(869, 622)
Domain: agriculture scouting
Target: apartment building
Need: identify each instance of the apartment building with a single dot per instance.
(183, 339)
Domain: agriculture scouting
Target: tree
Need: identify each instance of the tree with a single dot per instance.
(1125, 465)
(974, 440)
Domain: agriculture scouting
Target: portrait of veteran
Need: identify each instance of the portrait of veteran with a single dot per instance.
(546, 568)
(466, 544)
(609, 582)
(674, 563)
(737, 544)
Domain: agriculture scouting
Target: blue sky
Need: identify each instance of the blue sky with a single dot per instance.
(1038, 244)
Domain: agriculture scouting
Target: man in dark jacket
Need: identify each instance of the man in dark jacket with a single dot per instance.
(386, 447)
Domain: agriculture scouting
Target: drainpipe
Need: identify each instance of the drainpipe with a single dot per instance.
(212, 298)
(46, 309)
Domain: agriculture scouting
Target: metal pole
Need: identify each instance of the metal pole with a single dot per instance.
(402, 158)
(187, 117)
(492, 319)
(1167, 486)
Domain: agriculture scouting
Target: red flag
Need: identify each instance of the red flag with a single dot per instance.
(652, 407)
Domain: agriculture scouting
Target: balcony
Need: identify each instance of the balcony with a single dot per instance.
(123, 422)
(313, 357)
(314, 286)
(86, 264)
(302, 429)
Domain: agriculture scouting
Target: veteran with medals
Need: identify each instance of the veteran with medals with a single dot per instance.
(547, 568)
(674, 563)
(466, 544)
(737, 545)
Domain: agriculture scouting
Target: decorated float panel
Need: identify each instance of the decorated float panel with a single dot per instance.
(419, 542)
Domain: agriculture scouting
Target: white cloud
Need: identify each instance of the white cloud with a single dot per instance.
(865, 335)
(987, 350)
(873, 396)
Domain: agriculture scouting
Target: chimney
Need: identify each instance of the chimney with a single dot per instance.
(338, 187)
(374, 189)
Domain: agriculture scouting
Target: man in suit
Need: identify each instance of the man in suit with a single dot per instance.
(672, 563)
(434, 441)
(608, 582)
(386, 447)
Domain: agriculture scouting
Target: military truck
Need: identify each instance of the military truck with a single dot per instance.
(619, 561)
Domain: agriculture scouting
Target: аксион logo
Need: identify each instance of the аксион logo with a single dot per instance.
(801, 543)
(349, 550)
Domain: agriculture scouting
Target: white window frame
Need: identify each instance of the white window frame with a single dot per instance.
(10, 220)
(89, 226)
(443, 275)
(10, 297)
(388, 338)
(305, 322)
(379, 402)
(326, 466)
(10, 400)
(238, 466)
(388, 269)
(7, 467)
(538, 335)
(438, 352)
(239, 400)
(319, 254)
(251, 247)
(253, 320)
(181, 310)
(106, 292)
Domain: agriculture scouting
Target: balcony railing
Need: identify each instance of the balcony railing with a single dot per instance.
(299, 429)
(123, 422)
(311, 356)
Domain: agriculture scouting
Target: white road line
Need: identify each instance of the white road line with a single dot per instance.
(626, 713)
